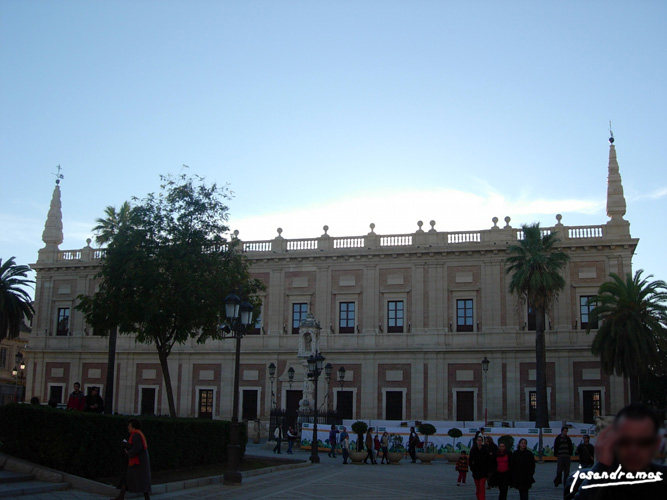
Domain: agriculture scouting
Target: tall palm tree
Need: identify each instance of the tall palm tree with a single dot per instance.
(632, 333)
(107, 229)
(536, 266)
(115, 220)
(15, 302)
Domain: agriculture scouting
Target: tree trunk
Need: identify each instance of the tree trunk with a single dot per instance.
(167, 381)
(542, 410)
(111, 370)
(635, 396)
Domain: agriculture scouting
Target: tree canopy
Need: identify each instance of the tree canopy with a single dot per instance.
(168, 267)
(631, 340)
(15, 302)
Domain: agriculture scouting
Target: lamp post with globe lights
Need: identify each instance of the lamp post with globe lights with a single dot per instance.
(239, 318)
(314, 370)
(485, 369)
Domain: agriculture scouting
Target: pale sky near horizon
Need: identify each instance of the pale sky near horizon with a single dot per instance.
(335, 112)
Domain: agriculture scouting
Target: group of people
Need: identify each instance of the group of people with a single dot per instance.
(499, 466)
(278, 436)
(78, 401)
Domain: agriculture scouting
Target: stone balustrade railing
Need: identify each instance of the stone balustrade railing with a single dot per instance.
(419, 239)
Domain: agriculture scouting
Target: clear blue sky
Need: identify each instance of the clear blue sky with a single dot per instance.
(340, 113)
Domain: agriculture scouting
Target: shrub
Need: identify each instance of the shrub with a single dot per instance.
(360, 428)
(454, 433)
(427, 430)
(89, 445)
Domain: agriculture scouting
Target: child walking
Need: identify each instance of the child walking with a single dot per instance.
(462, 468)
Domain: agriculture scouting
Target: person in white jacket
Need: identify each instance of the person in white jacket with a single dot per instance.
(278, 434)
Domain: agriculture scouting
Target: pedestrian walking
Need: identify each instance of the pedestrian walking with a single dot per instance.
(291, 437)
(523, 469)
(493, 450)
(413, 441)
(278, 435)
(377, 445)
(563, 449)
(384, 445)
(462, 468)
(345, 444)
(77, 400)
(332, 441)
(481, 465)
(137, 475)
(501, 476)
(586, 453)
(369, 446)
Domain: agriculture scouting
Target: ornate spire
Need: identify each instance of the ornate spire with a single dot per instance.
(615, 199)
(53, 228)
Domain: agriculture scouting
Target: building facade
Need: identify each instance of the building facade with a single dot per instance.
(410, 317)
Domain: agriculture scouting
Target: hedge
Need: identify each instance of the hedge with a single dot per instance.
(89, 445)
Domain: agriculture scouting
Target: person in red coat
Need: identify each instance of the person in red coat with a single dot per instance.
(137, 477)
(77, 400)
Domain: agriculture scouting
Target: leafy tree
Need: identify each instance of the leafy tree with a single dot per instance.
(427, 430)
(536, 265)
(15, 302)
(455, 434)
(632, 338)
(360, 428)
(166, 272)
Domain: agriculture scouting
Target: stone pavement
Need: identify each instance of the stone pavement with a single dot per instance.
(333, 480)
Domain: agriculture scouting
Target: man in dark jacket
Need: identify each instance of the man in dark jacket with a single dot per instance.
(586, 453)
(624, 469)
(94, 402)
(563, 450)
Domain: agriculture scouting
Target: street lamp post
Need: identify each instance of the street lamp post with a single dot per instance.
(239, 316)
(315, 368)
(485, 369)
(272, 376)
(18, 370)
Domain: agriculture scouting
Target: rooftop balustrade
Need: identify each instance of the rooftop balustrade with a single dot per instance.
(432, 239)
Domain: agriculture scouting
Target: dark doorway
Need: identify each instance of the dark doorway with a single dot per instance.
(344, 404)
(465, 405)
(292, 406)
(249, 408)
(393, 405)
(56, 393)
(592, 406)
(205, 403)
(147, 401)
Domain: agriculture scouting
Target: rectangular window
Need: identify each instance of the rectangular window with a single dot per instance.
(464, 315)
(394, 405)
(532, 318)
(586, 305)
(56, 394)
(249, 408)
(299, 312)
(465, 405)
(532, 406)
(3, 357)
(206, 403)
(147, 401)
(346, 317)
(395, 315)
(62, 328)
(256, 328)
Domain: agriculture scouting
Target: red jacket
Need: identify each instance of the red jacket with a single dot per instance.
(76, 401)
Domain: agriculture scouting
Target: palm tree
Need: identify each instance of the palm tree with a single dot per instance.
(115, 220)
(107, 229)
(536, 265)
(15, 303)
(632, 334)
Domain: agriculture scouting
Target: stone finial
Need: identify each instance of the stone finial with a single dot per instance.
(432, 224)
(559, 218)
(372, 226)
(280, 232)
(615, 198)
(53, 228)
(495, 223)
(236, 233)
(507, 222)
(419, 225)
(88, 242)
(326, 228)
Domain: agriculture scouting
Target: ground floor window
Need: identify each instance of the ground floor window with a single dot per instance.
(147, 401)
(344, 404)
(393, 405)
(205, 403)
(249, 406)
(56, 394)
(465, 405)
(592, 406)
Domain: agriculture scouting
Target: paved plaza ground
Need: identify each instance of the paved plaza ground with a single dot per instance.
(333, 480)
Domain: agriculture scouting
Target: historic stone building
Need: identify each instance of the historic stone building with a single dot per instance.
(410, 317)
